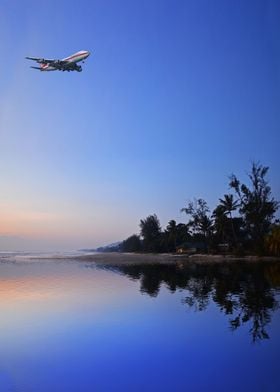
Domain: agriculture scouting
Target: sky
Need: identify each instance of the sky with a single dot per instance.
(175, 97)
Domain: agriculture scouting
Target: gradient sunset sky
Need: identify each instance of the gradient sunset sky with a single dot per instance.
(175, 96)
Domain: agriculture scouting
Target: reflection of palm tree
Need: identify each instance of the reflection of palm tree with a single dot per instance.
(255, 305)
(245, 293)
(228, 205)
(241, 292)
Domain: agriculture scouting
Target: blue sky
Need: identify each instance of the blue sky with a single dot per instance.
(175, 96)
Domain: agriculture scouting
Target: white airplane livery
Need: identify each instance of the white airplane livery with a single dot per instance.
(67, 64)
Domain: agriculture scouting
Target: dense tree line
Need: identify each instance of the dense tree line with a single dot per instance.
(242, 222)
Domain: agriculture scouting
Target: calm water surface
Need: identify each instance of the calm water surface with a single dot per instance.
(74, 326)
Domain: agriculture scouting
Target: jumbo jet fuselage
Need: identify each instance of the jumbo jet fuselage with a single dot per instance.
(69, 63)
(74, 58)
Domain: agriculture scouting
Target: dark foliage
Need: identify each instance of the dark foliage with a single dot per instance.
(132, 244)
(201, 223)
(256, 205)
(174, 235)
(151, 233)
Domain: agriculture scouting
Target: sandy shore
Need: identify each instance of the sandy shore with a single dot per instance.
(164, 258)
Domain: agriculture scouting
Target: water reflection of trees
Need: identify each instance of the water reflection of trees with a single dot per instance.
(246, 293)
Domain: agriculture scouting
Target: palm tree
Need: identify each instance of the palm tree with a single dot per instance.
(220, 222)
(228, 205)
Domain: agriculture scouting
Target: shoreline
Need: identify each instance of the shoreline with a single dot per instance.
(113, 258)
(119, 258)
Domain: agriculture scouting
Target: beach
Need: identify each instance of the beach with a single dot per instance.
(116, 258)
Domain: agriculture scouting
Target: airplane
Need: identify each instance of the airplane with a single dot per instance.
(67, 64)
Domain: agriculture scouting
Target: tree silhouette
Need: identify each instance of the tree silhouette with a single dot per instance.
(228, 205)
(200, 222)
(151, 233)
(174, 235)
(132, 244)
(220, 224)
(256, 205)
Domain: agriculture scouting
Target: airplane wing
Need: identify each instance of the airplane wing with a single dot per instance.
(40, 60)
(52, 62)
(33, 58)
